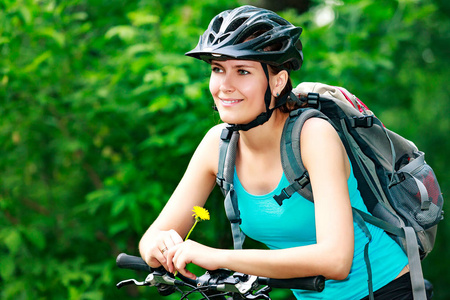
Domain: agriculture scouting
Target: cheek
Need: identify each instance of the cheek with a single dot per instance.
(254, 92)
(213, 86)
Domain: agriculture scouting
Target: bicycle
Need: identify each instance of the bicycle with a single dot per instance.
(218, 284)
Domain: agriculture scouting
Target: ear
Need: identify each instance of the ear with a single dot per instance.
(278, 82)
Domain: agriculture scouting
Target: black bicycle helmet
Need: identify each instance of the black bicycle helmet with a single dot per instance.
(252, 33)
(228, 35)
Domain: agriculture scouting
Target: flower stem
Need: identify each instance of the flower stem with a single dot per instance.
(187, 236)
(190, 231)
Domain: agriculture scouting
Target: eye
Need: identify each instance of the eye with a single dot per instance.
(215, 69)
(243, 72)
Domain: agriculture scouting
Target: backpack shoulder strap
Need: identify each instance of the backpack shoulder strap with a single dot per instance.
(227, 159)
(291, 159)
(224, 179)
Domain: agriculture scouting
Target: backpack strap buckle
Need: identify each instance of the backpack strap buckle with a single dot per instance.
(235, 221)
(226, 134)
(220, 181)
(313, 100)
(364, 121)
(296, 186)
(223, 184)
(281, 197)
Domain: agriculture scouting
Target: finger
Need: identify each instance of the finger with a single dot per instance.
(168, 243)
(180, 263)
(157, 259)
(175, 262)
(170, 256)
(164, 249)
(185, 272)
(153, 263)
(158, 256)
(176, 238)
(179, 258)
(172, 238)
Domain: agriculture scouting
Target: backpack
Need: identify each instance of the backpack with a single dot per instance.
(398, 187)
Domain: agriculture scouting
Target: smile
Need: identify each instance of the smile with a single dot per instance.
(230, 101)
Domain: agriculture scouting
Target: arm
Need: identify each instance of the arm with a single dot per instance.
(326, 161)
(194, 188)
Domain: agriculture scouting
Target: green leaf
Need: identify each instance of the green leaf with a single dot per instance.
(36, 237)
(12, 240)
(124, 32)
(159, 103)
(140, 18)
(32, 67)
(58, 37)
(115, 228)
(7, 267)
(119, 205)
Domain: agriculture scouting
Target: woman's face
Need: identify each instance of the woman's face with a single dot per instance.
(238, 88)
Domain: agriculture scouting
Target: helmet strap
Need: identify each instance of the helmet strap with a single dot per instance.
(265, 116)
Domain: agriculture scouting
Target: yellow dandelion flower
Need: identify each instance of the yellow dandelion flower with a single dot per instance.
(200, 213)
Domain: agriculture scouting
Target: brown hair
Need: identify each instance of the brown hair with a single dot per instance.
(290, 105)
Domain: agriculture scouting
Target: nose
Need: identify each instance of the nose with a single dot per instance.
(226, 84)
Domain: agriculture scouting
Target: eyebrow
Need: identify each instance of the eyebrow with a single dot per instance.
(235, 66)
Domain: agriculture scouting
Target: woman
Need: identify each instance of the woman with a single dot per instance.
(251, 52)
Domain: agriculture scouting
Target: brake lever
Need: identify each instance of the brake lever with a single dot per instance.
(131, 281)
(264, 292)
(155, 279)
(262, 296)
(245, 286)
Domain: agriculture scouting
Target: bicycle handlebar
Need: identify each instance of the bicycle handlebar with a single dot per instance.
(314, 283)
(219, 280)
(126, 261)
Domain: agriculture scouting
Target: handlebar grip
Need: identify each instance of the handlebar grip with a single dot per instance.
(314, 283)
(126, 261)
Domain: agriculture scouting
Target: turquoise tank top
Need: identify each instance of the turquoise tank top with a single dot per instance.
(293, 225)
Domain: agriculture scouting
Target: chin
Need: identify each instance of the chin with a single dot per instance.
(235, 118)
(226, 118)
(229, 120)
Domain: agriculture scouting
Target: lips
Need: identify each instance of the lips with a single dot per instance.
(230, 101)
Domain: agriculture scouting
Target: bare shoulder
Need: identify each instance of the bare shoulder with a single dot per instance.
(208, 150)
(321, 143)
(212, 137)
(317, 132)
(216, 130)
(315, 127)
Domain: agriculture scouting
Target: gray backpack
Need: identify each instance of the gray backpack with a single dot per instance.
(398, 187)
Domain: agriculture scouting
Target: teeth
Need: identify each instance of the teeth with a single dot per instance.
(230, 101)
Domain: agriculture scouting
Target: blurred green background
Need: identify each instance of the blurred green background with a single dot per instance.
(100, 112)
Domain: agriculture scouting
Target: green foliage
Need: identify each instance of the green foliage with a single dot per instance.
(101, 113)
(93, 94)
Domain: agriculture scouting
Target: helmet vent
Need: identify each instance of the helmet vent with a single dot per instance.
(222, 38)
(216, 25)
(235, 24)
(259, 30)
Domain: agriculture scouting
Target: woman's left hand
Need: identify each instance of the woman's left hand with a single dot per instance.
(180, 255)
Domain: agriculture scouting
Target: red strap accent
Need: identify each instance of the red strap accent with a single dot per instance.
(358, 102)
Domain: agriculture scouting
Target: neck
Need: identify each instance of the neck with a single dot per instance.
(261, 138)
